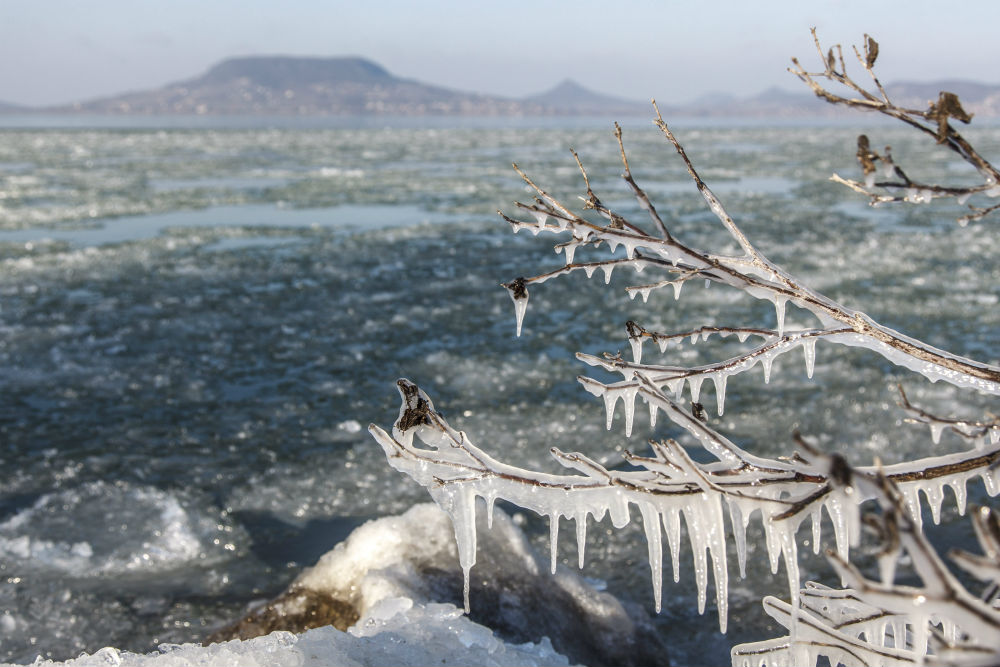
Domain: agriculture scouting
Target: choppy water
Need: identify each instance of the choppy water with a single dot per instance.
(197, 325)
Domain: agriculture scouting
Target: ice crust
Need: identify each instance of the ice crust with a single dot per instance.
(397, 632)
(382, 570)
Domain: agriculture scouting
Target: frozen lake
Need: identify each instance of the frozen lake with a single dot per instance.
(197, 324)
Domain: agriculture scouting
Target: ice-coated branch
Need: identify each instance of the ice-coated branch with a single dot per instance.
(751, 272)
(884, 623)
(884, 181)
(669, 485)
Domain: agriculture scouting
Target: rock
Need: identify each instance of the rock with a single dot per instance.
(511, 591)
(296, 610)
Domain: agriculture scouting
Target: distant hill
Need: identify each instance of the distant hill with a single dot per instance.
(571, 97)
(978, 98)
(773, 102)
(6, 107)
(285, 85)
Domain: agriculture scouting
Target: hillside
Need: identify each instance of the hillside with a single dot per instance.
(570, 97)
(283, 85)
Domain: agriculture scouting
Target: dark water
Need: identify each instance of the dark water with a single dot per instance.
(198, 324)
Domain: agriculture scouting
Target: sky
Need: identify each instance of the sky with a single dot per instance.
(60, 51)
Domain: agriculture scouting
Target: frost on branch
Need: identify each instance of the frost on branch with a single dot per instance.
(881, 623)
(885, 180)
(865, 623)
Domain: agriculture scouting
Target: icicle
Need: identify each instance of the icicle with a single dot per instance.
(618, 510)
(696, 536)
(990, 482)
(490, 500)
(652, 414)
(898, 633)
(629, 400)
(934, 492)
(705, 334)
(541, 217)
(672, 526)
(834, 505)
(717, 552)
(912, 501)
(694, 384)
(694, 338)
(817, 529)
(636, 344)
(720, 390)
(581, 537)
(742, 336)
(765, 362)
(610, 399)
(779, 311)
(553, 540)
(520, 306)
(589, 269)
(773, 552)
(654, 543)
(570, 252)
(739, 534)
(790, 551)
(678, 387)
(958, 486)
(677, 284)
(809, 350)
(936, 429)
(870, 180)
(607, 268)
(708, 283)
(460, 504)
(664, 342)
(878, 634)
(630, 251)
(962, 198)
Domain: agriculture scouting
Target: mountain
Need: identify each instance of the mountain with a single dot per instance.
(570, 97)
(284, 85)
(298, 86)
(6, 107)
(977, 98)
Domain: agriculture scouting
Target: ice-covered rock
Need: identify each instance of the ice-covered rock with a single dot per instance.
(408, 565)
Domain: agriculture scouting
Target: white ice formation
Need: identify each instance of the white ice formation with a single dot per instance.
(381, 569)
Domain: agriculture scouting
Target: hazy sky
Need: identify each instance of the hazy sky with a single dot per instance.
(57, 51)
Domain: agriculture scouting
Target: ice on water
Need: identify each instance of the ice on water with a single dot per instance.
(377, 570)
